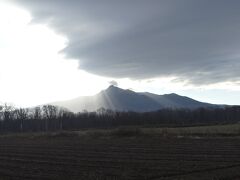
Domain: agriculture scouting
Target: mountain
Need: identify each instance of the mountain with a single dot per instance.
(118, 99)
(176, 101)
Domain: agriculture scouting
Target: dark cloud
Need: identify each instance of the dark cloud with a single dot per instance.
(195, 40)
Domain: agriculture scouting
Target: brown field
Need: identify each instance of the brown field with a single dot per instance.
(118, 155)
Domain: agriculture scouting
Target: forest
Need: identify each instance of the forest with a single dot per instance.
(52, 118)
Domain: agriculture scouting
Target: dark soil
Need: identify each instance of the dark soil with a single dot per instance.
(114, 158)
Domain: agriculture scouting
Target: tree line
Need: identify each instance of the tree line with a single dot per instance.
(54, 118)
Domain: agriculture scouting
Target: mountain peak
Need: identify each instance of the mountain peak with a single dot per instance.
(113, 88)
(171, 94)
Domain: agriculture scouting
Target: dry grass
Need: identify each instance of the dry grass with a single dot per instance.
(217, 130)
(125, 132)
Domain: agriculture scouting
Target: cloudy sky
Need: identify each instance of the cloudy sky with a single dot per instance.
(57, 49)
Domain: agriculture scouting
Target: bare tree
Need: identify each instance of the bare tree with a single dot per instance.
(22, 115)
(50, 113)
(1, 113)
(8, 112)
(37, 113)
(63, 113)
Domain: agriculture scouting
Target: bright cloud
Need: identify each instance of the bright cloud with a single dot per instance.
(32, 71)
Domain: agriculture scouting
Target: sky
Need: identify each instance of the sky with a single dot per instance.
(54, 50)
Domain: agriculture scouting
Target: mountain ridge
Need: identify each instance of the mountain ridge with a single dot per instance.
(118, 99)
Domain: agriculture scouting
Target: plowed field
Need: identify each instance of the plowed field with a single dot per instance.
(119, 158)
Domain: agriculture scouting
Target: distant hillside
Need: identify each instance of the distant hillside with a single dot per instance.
(176, 101)
(118, 99)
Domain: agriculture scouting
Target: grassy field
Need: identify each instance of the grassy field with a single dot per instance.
(216, 130)
(211, 152)
(230, 130)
